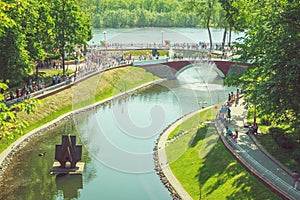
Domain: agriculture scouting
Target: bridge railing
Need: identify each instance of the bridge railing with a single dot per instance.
(121, 46)
(277, 183)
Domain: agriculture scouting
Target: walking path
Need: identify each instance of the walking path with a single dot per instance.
(246, 150)
(163, 165)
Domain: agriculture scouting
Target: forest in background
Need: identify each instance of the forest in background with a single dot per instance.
(147, 13)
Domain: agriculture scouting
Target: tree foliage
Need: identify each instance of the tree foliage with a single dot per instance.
(208, 11)
(271, 45)
(141, 13)
(30, 29)
(10, 124)
(72, 26)
(14, 59)
(5, 20)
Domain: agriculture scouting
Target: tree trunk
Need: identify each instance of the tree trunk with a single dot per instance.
(224, 37)
(207, 25)
(63, 61)
(37, 71)
(209, 34)
(229, 39)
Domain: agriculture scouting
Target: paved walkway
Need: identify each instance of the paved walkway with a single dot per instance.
(163, 162)
(248, 151)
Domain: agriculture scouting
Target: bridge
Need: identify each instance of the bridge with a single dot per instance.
(147, 46)
(170, 69)
(191, 47)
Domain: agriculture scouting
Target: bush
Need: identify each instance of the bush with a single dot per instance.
(282, 139)
(296, 155)
(265, 121)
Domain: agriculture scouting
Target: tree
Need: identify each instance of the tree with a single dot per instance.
(10, 124)
(72, 26)
(228, 8)
(5, 20)
(14, 57)
(37, 30)
(272, 45)
(204, 8)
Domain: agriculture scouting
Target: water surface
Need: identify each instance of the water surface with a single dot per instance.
(118, 140)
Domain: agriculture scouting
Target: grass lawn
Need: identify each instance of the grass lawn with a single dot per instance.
(204, 167)
(92, 90)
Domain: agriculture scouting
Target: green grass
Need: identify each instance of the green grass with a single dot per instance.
(92, 90)
(207, 171)
(196, 120)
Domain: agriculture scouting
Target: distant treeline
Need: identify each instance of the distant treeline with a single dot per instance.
(141, 13)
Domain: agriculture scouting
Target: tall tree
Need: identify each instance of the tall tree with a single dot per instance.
(205, 9)
(14, 57)
(72, 26)
(272, 45)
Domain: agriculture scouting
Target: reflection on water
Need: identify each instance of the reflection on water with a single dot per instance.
(29, 177)
(118, 140)
(69, 184)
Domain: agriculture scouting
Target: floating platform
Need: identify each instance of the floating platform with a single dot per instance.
(57, 169)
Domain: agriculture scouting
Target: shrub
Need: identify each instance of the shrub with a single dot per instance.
(282, 139)
(265, 121)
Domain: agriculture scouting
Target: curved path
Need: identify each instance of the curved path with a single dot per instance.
(247, 151)
(254, 157)
(163, 165)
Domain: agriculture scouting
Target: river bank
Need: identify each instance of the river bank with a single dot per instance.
(194, 164)
(61, 104)
(7, 155)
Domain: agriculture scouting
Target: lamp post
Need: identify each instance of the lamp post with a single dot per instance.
(162, 37)
(104, 35)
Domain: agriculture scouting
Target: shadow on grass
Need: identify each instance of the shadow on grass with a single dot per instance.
(200, 135)
(220, 174)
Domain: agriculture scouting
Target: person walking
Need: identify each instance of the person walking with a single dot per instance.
(237, 97)
(228, 114)
(235, 137)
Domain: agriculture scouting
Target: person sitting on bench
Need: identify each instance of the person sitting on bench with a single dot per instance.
(253, 128)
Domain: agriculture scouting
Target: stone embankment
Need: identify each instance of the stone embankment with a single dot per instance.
(7, 155)
(161, 163)
(162, 176)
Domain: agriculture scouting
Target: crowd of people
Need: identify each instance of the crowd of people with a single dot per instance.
(29, 87)
(225, 116)
(94, 60)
